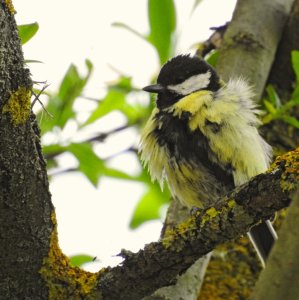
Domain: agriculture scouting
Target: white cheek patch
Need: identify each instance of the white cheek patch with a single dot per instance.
(194, 83)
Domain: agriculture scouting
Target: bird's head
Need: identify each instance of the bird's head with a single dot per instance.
(181, 76)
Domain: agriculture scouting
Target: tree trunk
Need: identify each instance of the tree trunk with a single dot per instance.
(32, 265)
(251, 40)
(25, 205)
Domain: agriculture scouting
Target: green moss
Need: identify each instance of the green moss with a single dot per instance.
(10, 7)
(18, 105)
(64, 281)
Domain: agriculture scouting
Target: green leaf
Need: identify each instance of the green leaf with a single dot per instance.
(117, 174)
(89, 163)
(212, 58)
(113, 100)
(196, 3)
(89, 65)
(295, 95)
(94, 167)
(80, 259)
(130, 29)
(60, 106)
(295, 63)
(273, 96)
(267, 118)
(53, 149)
(116, 100)
(162, 20)
(32, 61)
(291, 120)
(27, 31)
(149, 205)
(269, 106)
(123, 84)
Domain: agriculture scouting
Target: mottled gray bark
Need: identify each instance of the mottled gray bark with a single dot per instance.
(188, 284)
(25, 205)
(249, 49)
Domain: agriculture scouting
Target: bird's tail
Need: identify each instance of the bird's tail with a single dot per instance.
(263, 237)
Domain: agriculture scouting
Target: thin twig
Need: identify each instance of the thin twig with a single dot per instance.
(61, 172)
(39, 101)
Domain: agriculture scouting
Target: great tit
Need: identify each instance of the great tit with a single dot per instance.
(202, 138)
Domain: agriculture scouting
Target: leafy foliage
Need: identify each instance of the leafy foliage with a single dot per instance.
(60, 105)
(282, 111)
(162, 21)
(212, 58)
(80, 259)
(149, 205)
(115, 99)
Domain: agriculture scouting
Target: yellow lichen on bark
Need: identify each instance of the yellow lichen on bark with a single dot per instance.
(232, 272)
(209, 214)
(10, 7)
(18, 105)
(234, 269)
(179, 233)
(64, 281)
(290, 176)
(175, 238)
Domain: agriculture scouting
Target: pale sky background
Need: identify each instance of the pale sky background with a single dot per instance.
(95, 221)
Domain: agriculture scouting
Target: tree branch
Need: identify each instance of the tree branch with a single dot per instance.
(100, 137)
(159, 263)
(188, 284)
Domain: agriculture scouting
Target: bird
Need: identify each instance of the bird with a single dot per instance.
(202, 138)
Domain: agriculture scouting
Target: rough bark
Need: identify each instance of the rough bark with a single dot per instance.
(188, 284)
(249, 45)
(245, 39)
(281, 277)
(25, 206)
(247, 50)
(32, 265)
(158, 264)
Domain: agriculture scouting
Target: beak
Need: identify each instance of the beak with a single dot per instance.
(154, 88)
